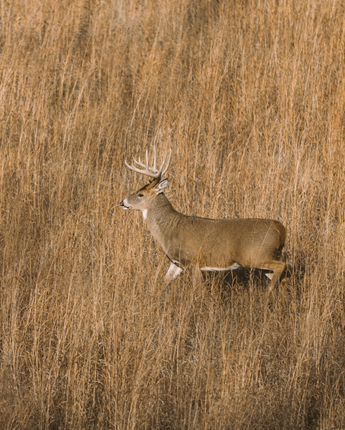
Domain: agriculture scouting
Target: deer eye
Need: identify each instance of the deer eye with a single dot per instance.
(140, 195)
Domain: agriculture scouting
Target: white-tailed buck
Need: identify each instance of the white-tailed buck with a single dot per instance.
(208, 244)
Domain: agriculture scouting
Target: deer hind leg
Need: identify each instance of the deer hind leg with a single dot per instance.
(277, 268)
(197, 274)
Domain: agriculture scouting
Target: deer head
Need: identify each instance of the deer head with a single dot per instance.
(141, 199)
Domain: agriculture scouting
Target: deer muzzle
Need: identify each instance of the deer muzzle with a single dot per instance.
(124, 204)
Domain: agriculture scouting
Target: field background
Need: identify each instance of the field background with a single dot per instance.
(250, 96)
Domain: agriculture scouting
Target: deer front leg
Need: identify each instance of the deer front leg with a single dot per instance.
(173, 272)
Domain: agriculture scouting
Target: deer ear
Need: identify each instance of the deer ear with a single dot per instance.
(163, 184)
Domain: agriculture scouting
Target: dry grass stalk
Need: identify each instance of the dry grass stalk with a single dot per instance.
(251, 99)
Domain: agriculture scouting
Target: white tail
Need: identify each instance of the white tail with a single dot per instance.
(209, 244)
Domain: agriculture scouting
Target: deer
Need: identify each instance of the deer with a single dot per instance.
(203, 243)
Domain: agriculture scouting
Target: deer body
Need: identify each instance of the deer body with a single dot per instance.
(209, 244)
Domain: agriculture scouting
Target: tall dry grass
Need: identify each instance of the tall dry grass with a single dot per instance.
(250, 97)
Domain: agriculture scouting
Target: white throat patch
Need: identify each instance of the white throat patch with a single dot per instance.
(145, 213)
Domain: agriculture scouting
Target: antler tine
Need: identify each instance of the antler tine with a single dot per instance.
(132, 167)
(147, 159)
(140, 163)
(146, 169)
(163, 162)
(154, 159)
(152, 169)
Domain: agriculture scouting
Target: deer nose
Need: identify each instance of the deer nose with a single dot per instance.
(123, 205)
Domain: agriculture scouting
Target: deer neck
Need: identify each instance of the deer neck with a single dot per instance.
(160, 218)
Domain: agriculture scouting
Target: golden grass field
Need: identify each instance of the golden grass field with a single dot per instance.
(250, 96)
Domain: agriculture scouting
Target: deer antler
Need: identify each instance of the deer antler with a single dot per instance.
(152, 172)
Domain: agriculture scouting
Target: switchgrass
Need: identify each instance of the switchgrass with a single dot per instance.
(250, 97)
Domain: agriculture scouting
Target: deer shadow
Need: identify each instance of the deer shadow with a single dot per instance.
(247, 277)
